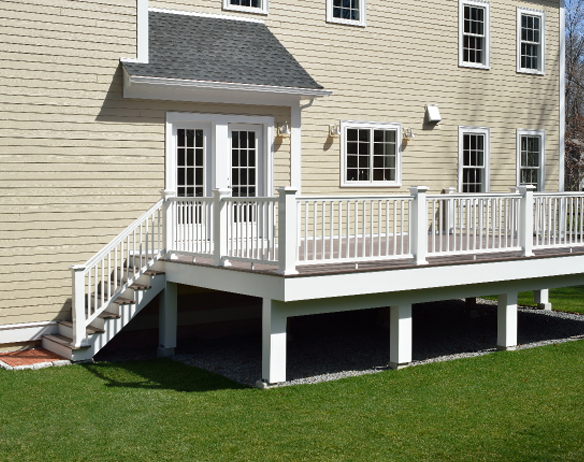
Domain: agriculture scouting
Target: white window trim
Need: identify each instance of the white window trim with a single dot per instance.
(482, 130)
(487, 7)
(541, 133)
(219, 146)
(227, 6)
(541, 14)
(362, 13)
(398, 158)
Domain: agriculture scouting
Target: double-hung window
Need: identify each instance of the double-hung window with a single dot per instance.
(473, 159)
(370, 154)
(531, 158)
(350, 12)
(530, 41)
(474, 35)
(247, 6)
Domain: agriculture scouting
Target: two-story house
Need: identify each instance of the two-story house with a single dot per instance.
(320, 156)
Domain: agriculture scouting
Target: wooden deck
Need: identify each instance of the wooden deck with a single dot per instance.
(324, 268)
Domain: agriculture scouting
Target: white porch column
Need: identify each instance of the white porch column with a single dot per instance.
(220, 227)
(296, 146)
(167, 320)
(273, 342)
(526, 220)
(541, 299)
(507, 321)
(418, 220)
(400, 336)
(287, 229)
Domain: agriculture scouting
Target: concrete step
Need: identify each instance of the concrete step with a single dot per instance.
(63, 341)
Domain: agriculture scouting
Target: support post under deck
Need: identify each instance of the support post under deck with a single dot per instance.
(507, 321)
(273, 342)
(168, 320)
(400, 336)
(542, 299)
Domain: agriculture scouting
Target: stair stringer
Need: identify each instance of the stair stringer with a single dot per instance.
(112, 326)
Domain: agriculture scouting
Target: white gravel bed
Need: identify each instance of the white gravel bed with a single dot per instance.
(351, 344)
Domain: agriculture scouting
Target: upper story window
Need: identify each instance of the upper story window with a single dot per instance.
(531, 158)
(530, 41)
(370, 154)
(247, 6)
(473, 159)
(350, 12)
(473, 34)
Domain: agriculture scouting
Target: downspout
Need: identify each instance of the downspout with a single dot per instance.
(562, 133)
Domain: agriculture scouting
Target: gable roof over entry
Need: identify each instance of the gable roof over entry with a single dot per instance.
(202, 58)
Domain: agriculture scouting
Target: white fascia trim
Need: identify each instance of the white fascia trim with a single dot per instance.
(487, 7)
(541, 134)
(562, 129)
(541, 14)
(207, 15)
(26, 332)
(398, 158)
(347, 22)
(485, 131)
(225, 86)
(142, 34)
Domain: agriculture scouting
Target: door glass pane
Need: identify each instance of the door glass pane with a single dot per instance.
(244, 160)
(190, 165)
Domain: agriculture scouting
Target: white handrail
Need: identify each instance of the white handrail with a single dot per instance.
(111, 271)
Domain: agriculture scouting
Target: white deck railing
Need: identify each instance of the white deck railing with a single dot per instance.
(463, 223)
(558, 220)
(340, 229)
(290, 231)
(104, 277)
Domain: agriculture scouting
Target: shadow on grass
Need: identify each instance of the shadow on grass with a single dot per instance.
(160, 374)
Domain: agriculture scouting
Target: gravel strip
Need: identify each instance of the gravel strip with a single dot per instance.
(351, 344)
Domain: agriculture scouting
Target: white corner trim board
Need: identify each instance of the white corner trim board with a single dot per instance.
(26, 332)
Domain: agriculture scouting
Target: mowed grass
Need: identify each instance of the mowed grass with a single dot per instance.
(568, 299)
(526, 405)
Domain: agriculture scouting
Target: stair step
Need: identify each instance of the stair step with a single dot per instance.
(149, 272)
(108, 315)
(124, 301)
(89, 329)
(62, 340)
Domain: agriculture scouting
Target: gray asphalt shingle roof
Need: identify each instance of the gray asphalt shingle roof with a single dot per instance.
(218, 50)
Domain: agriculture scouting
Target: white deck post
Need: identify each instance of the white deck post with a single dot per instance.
(418, 220)
(169, 222)
(287, 230)
(450, 212)
(526, 220)
(542, 299)
(167, 320)
(507, 321)
(78, 302)
(220, 226)
(273, 342)
(400, 336)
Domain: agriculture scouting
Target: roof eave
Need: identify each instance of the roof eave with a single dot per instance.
(145, 87)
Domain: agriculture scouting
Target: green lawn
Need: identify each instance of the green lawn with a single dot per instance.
(509, 406)
(568, 299)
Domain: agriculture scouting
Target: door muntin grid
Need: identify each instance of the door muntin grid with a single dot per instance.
(473, 162)
(244, 163)
(190, 162)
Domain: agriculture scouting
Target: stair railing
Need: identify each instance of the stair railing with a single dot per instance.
(103, 278)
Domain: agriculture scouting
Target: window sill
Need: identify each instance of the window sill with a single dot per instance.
(356, 184)
(346, 22)
(530, 71)
(475, 66)
(245, 9)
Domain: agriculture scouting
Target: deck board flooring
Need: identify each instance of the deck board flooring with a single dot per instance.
(371, 261)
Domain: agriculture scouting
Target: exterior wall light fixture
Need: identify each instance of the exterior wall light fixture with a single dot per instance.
(334, 131)
(408, 134)
(284, 130)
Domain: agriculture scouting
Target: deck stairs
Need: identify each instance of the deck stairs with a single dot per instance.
(110, 322)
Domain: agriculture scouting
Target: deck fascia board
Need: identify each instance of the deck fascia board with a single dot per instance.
(415, 284)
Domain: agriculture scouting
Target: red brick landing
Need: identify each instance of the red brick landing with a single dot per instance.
(29, 357)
